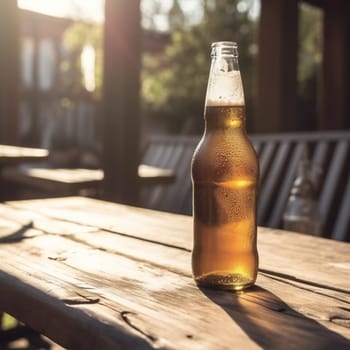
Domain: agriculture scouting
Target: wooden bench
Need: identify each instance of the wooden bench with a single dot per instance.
(45, 181)
(172, 152)
(279, 155)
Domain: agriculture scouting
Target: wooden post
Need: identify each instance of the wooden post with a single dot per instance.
(9, 72)
(335, 102)
(34, 96)
(122, 62)
(277, 61)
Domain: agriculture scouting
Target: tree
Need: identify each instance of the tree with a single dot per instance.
(176, 16)
(174, 83)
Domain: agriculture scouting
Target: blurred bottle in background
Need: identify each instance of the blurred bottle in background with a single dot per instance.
(301, 213)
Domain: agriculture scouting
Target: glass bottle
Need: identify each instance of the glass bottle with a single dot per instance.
(301, 213)
(224, 177)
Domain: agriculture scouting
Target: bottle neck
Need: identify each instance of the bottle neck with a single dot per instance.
(225, 84)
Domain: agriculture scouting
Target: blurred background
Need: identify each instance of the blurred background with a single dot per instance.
(283, 68)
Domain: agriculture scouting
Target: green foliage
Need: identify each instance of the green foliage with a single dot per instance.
(309, 63)
(7, 322)
(174, 82)
(310, 47)
(76, 37)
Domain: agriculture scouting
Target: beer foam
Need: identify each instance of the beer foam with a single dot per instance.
(225, 89)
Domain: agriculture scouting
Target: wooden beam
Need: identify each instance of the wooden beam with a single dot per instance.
(122, 62)
(9, 72)
(34, 102)
(277, 60)
(335, 102)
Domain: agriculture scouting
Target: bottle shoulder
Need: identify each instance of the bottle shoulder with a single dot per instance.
(220, 158)
(232, 146)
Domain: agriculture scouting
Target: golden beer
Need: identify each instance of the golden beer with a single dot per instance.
(224, 175)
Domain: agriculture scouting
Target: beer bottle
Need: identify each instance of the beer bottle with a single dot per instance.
(224, 176)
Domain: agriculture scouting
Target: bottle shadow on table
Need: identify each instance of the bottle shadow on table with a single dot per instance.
(12, 232)
(281, 327)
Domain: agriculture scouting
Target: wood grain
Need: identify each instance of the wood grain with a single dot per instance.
(120, 277)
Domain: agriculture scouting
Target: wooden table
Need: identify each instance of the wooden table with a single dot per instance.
(66, 181)
(10, 155)
(96, 275)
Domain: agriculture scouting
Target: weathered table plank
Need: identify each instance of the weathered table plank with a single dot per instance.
(95, 267)
(325, 261)
(151, 294)
(154, 226)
